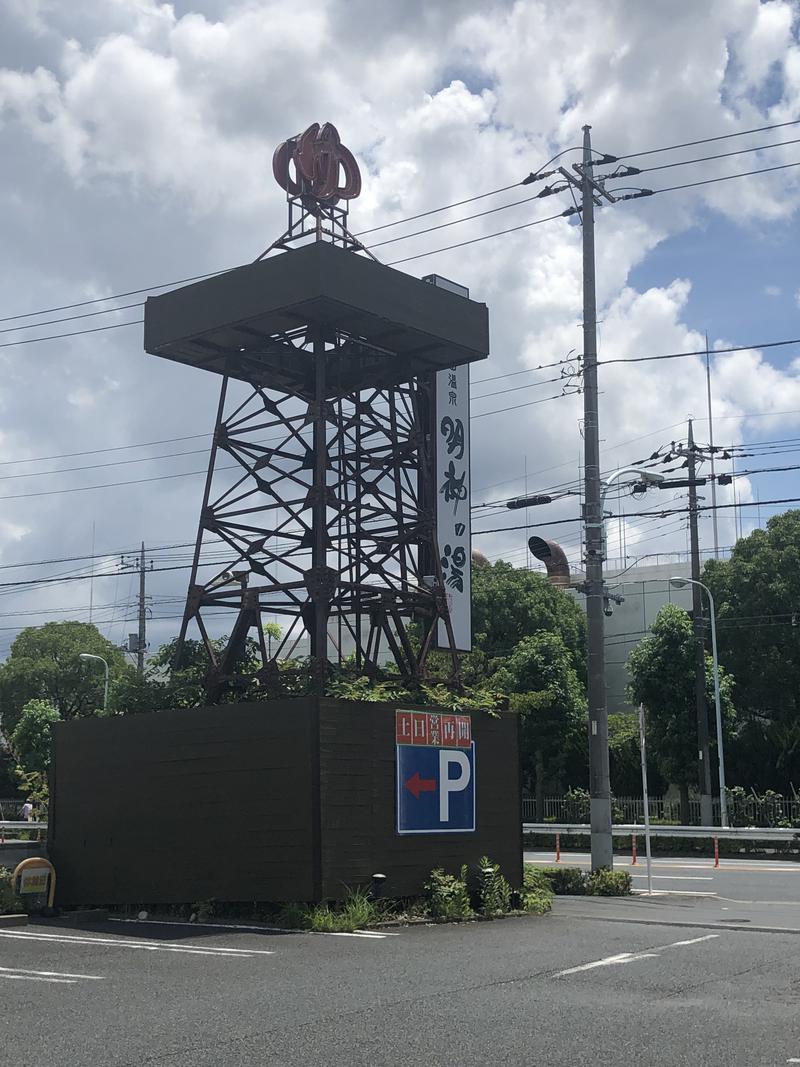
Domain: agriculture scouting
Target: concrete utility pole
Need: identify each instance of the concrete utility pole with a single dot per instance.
(592, 191)
(137, 563)
(704, 766)
(599, 775)
(142, 642)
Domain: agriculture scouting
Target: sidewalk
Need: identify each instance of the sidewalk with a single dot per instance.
(685, 910)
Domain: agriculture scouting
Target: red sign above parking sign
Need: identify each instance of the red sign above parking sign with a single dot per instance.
(435, 773)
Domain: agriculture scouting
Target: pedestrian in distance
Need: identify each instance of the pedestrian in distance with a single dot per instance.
(27, 811)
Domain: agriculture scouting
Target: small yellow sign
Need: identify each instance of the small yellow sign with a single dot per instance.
(34, 881)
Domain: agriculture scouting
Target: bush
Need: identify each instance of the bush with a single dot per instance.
(566, 881)
(607, 883)
(8, 901)
(536, 903)
(537, 893)
(356, 911)
(295, 916)
(489, 890)
(447, 897)
(535, 880)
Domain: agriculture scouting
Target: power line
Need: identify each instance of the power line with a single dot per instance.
(702, 352)
(436, 210)
(486, 237)
(709, 140)
(73, 333)
(723, 178)
(721, 155)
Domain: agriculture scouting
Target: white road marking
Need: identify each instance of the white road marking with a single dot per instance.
(621, 957)
(692, 941)
(256, 929)
(632, 957)
(150, 946)
(354, 933)
(677, 877)
(32, 978)
(55, 974)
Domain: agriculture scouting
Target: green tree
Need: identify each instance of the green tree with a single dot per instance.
(30, 738)
(757, 595)
(508, 604)
(662, 671)
(544, 687)
(44, 664)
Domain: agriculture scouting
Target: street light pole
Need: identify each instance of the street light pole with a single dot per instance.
(723, 800)
(89, 655)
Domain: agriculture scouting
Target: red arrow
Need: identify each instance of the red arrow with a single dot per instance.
(416, 785)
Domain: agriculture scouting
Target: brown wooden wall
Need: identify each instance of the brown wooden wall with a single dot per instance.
(283, 800)
(181, 806)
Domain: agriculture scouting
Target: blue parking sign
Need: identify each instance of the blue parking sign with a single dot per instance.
(435, 789)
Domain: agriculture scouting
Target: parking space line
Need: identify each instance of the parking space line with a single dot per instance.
(149, 946)
(633, 957)
(53, 974)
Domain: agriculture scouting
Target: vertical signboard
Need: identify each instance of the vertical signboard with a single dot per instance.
(453, 496)
(435, 773)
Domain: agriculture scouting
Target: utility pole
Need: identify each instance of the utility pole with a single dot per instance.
(592, 191)
(712, 450)
(704, 765)
(138, 564)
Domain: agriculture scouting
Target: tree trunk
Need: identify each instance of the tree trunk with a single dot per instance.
(684, 801)
(539, 786)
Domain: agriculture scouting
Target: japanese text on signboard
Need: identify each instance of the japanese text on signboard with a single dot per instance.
(453, 500)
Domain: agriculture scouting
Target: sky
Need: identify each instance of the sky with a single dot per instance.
(136, 142)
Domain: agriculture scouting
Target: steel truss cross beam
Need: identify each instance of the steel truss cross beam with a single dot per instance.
(324, 518)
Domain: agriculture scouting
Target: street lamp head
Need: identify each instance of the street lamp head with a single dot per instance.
(652, 477)
(679, 583)
(86, 655)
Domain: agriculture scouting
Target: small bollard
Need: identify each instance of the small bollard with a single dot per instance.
(633, 850)
(378, 881)
(558, 848)
(716, 852)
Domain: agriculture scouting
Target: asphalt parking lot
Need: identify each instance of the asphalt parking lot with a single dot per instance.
(632, 981)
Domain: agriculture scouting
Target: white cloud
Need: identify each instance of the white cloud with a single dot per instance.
(138, 142)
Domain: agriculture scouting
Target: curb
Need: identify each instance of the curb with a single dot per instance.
(718, 924)
(13, 920)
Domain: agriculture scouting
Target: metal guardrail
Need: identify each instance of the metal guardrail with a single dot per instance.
(746, 833)
(10, 826)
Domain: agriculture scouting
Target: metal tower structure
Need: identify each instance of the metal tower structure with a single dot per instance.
(319, 502)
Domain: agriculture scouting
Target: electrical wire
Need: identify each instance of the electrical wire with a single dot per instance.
(709, 140)
(723, 178)
(721, 155)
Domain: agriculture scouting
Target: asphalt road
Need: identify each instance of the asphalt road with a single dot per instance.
(737, 879)
(569, 989)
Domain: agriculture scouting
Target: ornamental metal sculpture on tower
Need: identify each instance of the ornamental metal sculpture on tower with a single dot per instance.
(326, 517)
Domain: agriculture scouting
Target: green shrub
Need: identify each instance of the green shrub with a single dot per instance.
(566, 881)
(359, 910)
(536, 903)
(356, 911)
(607, 883)
(535, 880)
(295, 916)
(490, 893)
(8, 901)
(447, 897)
